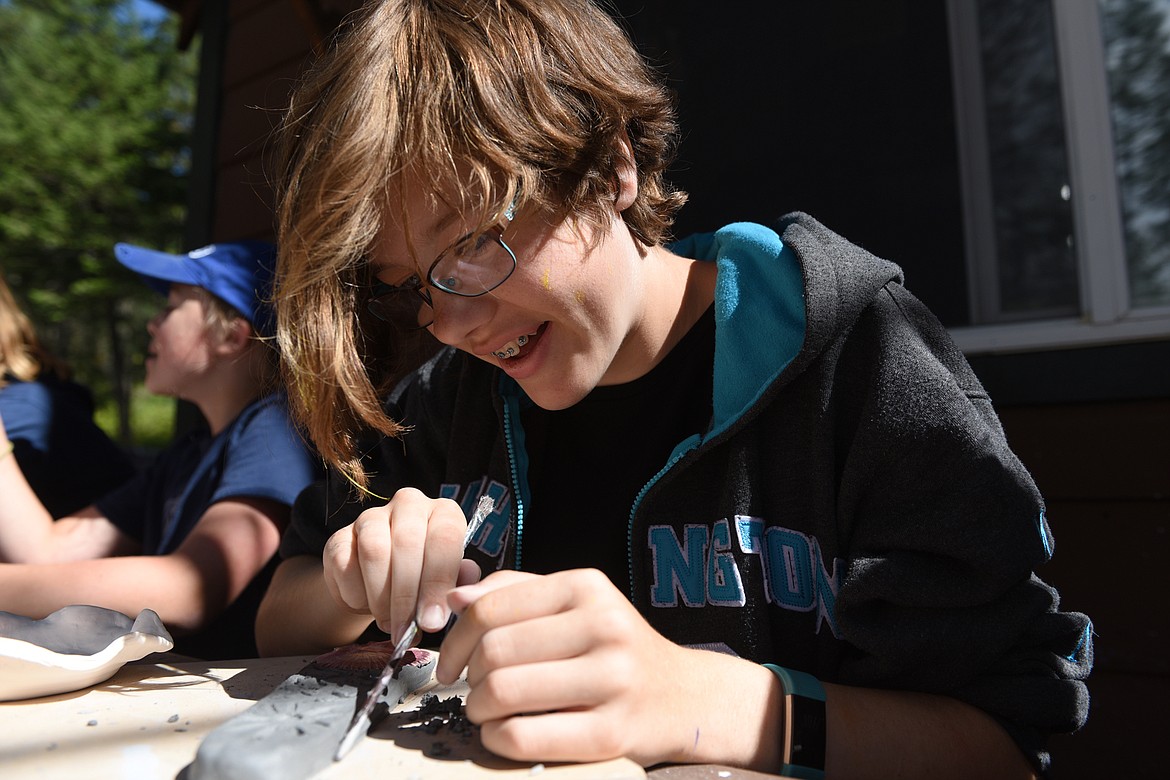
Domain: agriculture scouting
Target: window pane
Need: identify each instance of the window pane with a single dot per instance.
(1137, 52)
(1036, 264)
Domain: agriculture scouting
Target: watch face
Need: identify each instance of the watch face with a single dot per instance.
(806, 731)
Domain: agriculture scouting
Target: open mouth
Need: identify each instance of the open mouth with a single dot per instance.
(515, 348)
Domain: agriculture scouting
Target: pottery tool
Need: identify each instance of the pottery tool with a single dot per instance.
(361, 719)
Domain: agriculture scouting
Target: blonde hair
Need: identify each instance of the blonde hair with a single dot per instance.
(490, 102)
(219, 317)
(21, 353)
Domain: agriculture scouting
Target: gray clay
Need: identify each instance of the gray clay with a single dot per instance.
(293, 732)
(79, 629)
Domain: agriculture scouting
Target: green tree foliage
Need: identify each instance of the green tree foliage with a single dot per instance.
(95, 116)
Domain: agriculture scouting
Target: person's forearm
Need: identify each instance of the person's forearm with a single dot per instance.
(870, 733)
(883, 734)
(29, 534)
(25, 524)
(170, 585)
(299, 617)
(735, 720)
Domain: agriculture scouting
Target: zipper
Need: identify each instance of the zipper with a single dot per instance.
(510, 409)
(634, 510)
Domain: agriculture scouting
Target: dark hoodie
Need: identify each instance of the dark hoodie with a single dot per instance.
(853, 510)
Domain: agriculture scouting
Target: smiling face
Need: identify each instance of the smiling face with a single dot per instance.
(181, 348)
(570, 314)
(526, 96)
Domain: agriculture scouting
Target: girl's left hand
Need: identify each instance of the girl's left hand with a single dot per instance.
(562, 667)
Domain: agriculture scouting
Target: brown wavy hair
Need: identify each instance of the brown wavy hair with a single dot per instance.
(21, 354)
(488, 101)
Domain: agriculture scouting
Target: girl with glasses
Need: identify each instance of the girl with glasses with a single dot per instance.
(752, 505)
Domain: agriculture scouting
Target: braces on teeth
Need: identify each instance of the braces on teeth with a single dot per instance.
(512, 348)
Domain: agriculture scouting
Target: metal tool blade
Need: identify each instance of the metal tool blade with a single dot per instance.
(361, 719)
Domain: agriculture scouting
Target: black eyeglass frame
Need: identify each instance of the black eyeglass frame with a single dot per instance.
(382, 291)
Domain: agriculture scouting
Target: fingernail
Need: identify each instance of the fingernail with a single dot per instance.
(432, 618)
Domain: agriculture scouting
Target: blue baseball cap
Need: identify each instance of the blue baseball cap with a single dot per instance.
(239, 273)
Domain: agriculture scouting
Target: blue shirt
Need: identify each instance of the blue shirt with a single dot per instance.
(68, 461)
(259, 455)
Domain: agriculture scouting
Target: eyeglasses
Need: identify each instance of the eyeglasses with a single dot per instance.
(473, 266)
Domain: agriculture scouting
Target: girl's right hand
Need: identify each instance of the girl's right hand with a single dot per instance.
(397, 562)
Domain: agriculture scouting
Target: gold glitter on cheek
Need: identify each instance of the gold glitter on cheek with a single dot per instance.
(580, 296)
(545, 281)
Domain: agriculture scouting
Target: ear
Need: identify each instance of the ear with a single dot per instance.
(237, 339)
(627, 174)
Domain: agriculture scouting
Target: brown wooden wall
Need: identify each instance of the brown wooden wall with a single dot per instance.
(264, 49)
(1104, 469)
(265, 46)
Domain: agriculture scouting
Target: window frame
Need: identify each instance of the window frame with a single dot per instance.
(1099, 240)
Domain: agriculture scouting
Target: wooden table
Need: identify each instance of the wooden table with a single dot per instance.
(147, 721)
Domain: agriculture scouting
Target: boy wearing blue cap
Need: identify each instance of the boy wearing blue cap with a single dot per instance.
(193, 536)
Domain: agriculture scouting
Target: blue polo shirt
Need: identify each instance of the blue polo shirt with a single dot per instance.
(259, 455)
(68, 461)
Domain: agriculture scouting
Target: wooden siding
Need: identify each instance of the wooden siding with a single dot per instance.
(265, 47)
(1104, 469)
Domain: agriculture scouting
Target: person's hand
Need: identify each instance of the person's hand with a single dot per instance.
(563, 668)
(397, 562)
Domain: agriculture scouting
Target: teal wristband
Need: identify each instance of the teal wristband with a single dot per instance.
(803, 753)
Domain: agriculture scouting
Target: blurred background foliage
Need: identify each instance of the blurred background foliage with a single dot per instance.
(96, 110)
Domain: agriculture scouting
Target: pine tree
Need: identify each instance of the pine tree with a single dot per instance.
(95, 116)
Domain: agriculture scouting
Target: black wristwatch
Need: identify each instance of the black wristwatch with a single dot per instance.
(804, 724)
